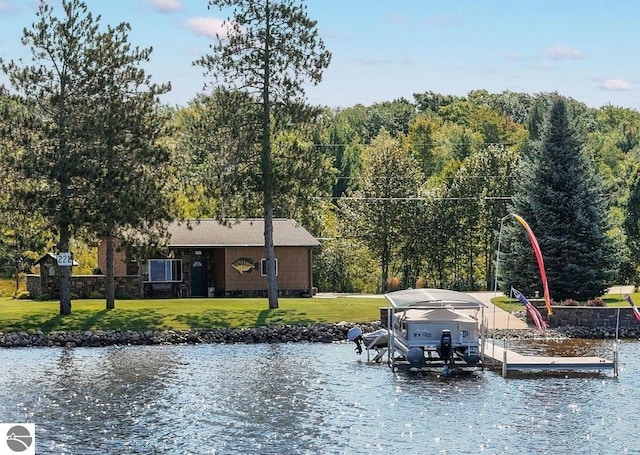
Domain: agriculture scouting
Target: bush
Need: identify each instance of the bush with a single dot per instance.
(570, 302)
(22, 295)
(596, 302)
(393, 283)
(95, 295)
(43, 297)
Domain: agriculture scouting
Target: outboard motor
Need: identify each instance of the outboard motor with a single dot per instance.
(355, 334)
(445, 346)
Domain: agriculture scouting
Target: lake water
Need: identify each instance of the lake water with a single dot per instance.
(307, 399)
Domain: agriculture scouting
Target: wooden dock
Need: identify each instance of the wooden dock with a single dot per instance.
(511, 361)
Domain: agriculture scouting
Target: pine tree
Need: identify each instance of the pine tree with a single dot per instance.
(271, 49)
(90, 162)
(55, 152)
(560, 196)
(130, 169)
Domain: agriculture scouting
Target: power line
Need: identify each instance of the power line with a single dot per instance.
(415, 198)
(466, 176)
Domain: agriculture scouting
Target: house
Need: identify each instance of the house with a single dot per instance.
(205, 258)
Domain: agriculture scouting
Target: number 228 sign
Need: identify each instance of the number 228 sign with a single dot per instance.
(64, 259)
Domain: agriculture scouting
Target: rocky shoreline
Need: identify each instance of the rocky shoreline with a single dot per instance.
(314, 333)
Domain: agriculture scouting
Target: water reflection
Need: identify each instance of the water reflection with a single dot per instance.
(304, 398)
(81, 395)
(274, 389)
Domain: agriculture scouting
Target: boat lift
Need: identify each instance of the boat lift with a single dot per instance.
(431, 329)
(427, 329)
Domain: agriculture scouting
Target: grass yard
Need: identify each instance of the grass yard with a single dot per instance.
(184, 314)
(181, 314)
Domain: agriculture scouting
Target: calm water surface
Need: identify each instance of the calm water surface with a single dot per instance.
(308, 399)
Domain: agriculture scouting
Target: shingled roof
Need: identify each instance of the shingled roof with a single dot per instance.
(250, 232)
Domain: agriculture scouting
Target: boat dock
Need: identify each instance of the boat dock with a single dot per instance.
(510, 361)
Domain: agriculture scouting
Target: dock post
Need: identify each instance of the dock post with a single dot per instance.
(615, 360)
(504, 364)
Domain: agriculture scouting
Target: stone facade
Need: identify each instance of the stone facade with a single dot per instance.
(85, 286)
(82, 286)
(591, 317)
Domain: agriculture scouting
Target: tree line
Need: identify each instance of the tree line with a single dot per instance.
(401, 193)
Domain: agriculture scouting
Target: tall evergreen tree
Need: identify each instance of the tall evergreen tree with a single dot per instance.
(55, 151)
(560, 196)
(23, 233)
(130, 172)
(271, 49)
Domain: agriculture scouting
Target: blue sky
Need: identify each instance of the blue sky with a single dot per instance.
(387, 49)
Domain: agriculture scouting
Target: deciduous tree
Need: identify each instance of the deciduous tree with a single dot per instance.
(378, 214)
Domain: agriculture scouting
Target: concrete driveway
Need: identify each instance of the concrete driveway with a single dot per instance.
(495, 317)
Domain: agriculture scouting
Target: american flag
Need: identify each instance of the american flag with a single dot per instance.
(636, 313)
(540, 323)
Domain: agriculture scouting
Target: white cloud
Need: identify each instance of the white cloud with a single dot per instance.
(166, 6)
(207, 26)
(7, 8)
(560, 52)
(615, 85)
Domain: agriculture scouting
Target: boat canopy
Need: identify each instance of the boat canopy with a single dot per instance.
(437, 315)
(432, 298)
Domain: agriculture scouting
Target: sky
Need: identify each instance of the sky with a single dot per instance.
(383, 50)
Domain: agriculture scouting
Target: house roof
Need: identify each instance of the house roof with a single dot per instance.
(250, 232)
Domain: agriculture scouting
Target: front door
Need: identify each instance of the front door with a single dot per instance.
(199, 286)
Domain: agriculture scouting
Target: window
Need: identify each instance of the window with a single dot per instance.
(263, 267)
(164, 270)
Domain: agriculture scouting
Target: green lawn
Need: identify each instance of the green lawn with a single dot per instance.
(181, 314)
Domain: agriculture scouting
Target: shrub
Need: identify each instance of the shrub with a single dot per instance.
(22, 295)
(95, 295)
(596, 302)
(393, 283)
(420, 282)
(570, 302)
(43, 297)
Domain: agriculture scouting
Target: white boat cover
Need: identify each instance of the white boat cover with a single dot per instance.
(432, 298)
(436, 315)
